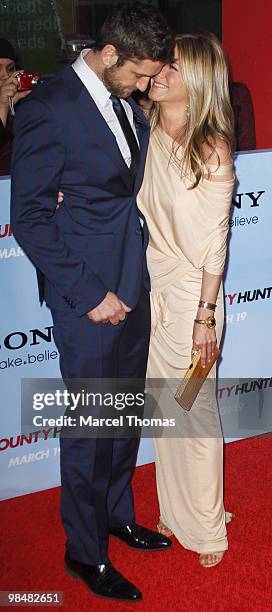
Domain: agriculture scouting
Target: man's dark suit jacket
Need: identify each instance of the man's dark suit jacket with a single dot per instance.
(93, 242)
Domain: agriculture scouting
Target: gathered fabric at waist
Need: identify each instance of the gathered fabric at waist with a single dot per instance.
(165, 271)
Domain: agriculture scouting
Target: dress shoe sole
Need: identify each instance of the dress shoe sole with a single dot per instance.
(77, 576)
(139, 547)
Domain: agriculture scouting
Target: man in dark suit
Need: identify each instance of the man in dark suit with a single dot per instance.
(82, 134)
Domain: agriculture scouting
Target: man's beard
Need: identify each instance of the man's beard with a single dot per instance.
(113, 84)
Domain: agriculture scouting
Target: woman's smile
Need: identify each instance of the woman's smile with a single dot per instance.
(159, 85)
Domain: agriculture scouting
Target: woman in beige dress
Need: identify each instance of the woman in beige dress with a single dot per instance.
(186, 198)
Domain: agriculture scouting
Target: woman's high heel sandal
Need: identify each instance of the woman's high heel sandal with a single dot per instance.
(211, 559)
(163, 529)
(205, 559)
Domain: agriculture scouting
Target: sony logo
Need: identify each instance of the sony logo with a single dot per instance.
(237, 200)
(17, 339)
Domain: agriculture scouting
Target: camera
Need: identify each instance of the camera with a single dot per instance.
(27, 80)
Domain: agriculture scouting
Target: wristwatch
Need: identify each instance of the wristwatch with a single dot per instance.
(210, 322)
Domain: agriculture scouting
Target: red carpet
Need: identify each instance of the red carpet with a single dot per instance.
(33, 543)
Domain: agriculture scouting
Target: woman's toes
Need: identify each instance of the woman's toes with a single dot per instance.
(162, 528)
(210, 559)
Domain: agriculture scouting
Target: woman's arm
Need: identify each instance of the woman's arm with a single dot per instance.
(204, 339)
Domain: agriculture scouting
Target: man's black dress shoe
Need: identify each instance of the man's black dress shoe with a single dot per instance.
(142, 538)
(103, 580)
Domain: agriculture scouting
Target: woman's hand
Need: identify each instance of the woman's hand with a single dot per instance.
(204, 339)
(60, 198)
(9, 89)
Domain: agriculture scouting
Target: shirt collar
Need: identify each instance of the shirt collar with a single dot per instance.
(90, 79)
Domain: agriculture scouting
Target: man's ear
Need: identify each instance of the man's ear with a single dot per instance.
(109, 56)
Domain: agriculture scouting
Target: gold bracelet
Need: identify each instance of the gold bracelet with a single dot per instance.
(210, 322)
(205, 304)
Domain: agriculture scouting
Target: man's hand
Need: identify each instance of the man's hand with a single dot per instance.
(111, 310)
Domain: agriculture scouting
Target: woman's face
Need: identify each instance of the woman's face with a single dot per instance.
(7, 67)
(168, 85)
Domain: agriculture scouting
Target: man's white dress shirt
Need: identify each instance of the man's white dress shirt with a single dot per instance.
(101, 97)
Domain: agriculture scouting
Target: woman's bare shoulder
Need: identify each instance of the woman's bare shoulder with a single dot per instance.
(219, 152)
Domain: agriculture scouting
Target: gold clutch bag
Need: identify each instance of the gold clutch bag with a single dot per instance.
(193, 380)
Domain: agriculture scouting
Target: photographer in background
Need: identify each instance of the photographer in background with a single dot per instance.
(8, 90)
(241, 101)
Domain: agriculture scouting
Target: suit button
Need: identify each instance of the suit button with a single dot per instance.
(138, 232)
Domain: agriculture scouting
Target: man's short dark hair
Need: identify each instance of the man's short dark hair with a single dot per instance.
(138, 31)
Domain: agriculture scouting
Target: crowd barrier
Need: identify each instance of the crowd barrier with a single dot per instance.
(30, 462)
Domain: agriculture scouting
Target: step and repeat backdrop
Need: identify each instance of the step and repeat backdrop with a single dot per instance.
(30, 461)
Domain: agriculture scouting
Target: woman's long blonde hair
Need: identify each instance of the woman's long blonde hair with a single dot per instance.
(204, 72)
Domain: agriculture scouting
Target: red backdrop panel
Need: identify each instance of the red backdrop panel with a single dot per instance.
(247, 40)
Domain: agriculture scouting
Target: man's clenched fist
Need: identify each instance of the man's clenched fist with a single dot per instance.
(111, 310)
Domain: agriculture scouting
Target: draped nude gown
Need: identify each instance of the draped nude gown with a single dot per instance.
(188, 233)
